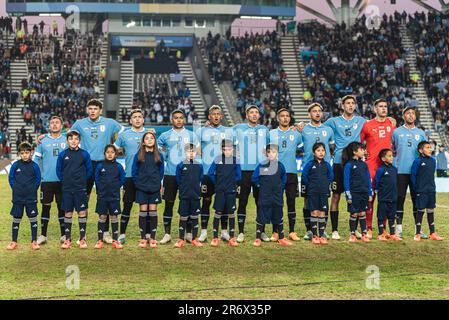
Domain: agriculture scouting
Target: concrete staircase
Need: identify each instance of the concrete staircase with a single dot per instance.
(230, 98)
(103, 64)
(420, 93)
(126, 87)
(185, 67)
(295, 76)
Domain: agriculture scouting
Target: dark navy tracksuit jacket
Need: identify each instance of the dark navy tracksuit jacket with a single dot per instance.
(270, 177)
(386, 184)
(109, 178)
(189, 175)
(356, 178)
(24, 179)
(317, 177)
(423, 175)
(147, 176)
(225, 174)
(73, 168)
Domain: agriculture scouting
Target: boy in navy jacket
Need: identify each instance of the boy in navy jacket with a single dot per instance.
(270, 178)
(109, 178)
(225, 173)
(423, 183)
(357, 186)
(73, 168)
(386, 188)
(189, 174)
(24, 179)
(317, 177)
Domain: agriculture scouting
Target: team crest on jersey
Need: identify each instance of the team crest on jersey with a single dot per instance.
(355, 126)
(223, 135)
(292, 137)
(63, 145)
(324, 133)
(260, 133)
(186, 140)
(416, 137)
(388, 129)
(102, 128)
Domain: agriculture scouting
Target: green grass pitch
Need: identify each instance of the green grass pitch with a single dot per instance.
(407, 270)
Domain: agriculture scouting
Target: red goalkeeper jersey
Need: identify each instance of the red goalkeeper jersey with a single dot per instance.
(377, 136)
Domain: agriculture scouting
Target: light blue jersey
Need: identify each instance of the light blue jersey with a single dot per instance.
(288, 141)
(174, 144)
(312, 134)
(129, 140)
(405, 142)
(251, 142)
(46, 156)
(210, 139)
(345, 132)
(96, 135)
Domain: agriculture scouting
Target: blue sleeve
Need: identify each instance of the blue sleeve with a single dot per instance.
(284, 176)
(211, 172)
(346, 180)
(299, 142)
(330, 123)
(122, 174)
(12, 173)
(161, 142)
(178, 173)
(37, 174)
(97, 176)
(379, 173)
(76, 126)
(368, 176)
(414, 171)
(117, 127)
(393, 140)
(161, 168)
(305, 174)
(238, 173)
(119, 142)
(38, 154)
(59, 165)
(135, 167)
(330, 173)
(86, 157)
(255, 179)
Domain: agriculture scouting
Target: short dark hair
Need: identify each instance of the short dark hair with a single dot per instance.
(189, 146)
(272, 146)
(422, 144)
(95, 102)
(376, 102)
(226, 143)
(177, 111)
(57, 117)
(110, 146)
(135, 111)
(72, 133)
(384, 152)
(349, 96)
(25, 146)
(317, 145)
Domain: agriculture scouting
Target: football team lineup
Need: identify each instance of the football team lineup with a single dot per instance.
(368, 161)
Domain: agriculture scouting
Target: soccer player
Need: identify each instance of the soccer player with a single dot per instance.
(147, 173)
(385, 186)
(357, 187)
(251, 139)
(270, 178)
(347, 128)
(73, 168)
(171, 144)
(405, 142)
(422, 178)
(288, 141)
(109, 178)
(317, 177)
(376, 135)
(129, 141)
(96, 132)
(189, 174)
(46, 156)
(211, 138)
(225, 173)
(312, 133)
(24, 178)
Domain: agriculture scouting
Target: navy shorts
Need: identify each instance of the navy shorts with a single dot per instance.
(386, 210)
(225, 203)
(143, 197)
(359, 203)
(74, 201)
(269, 214)
(425, 200)
(30, 208)
(318, 202)
(108, 207)
(189, 207)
